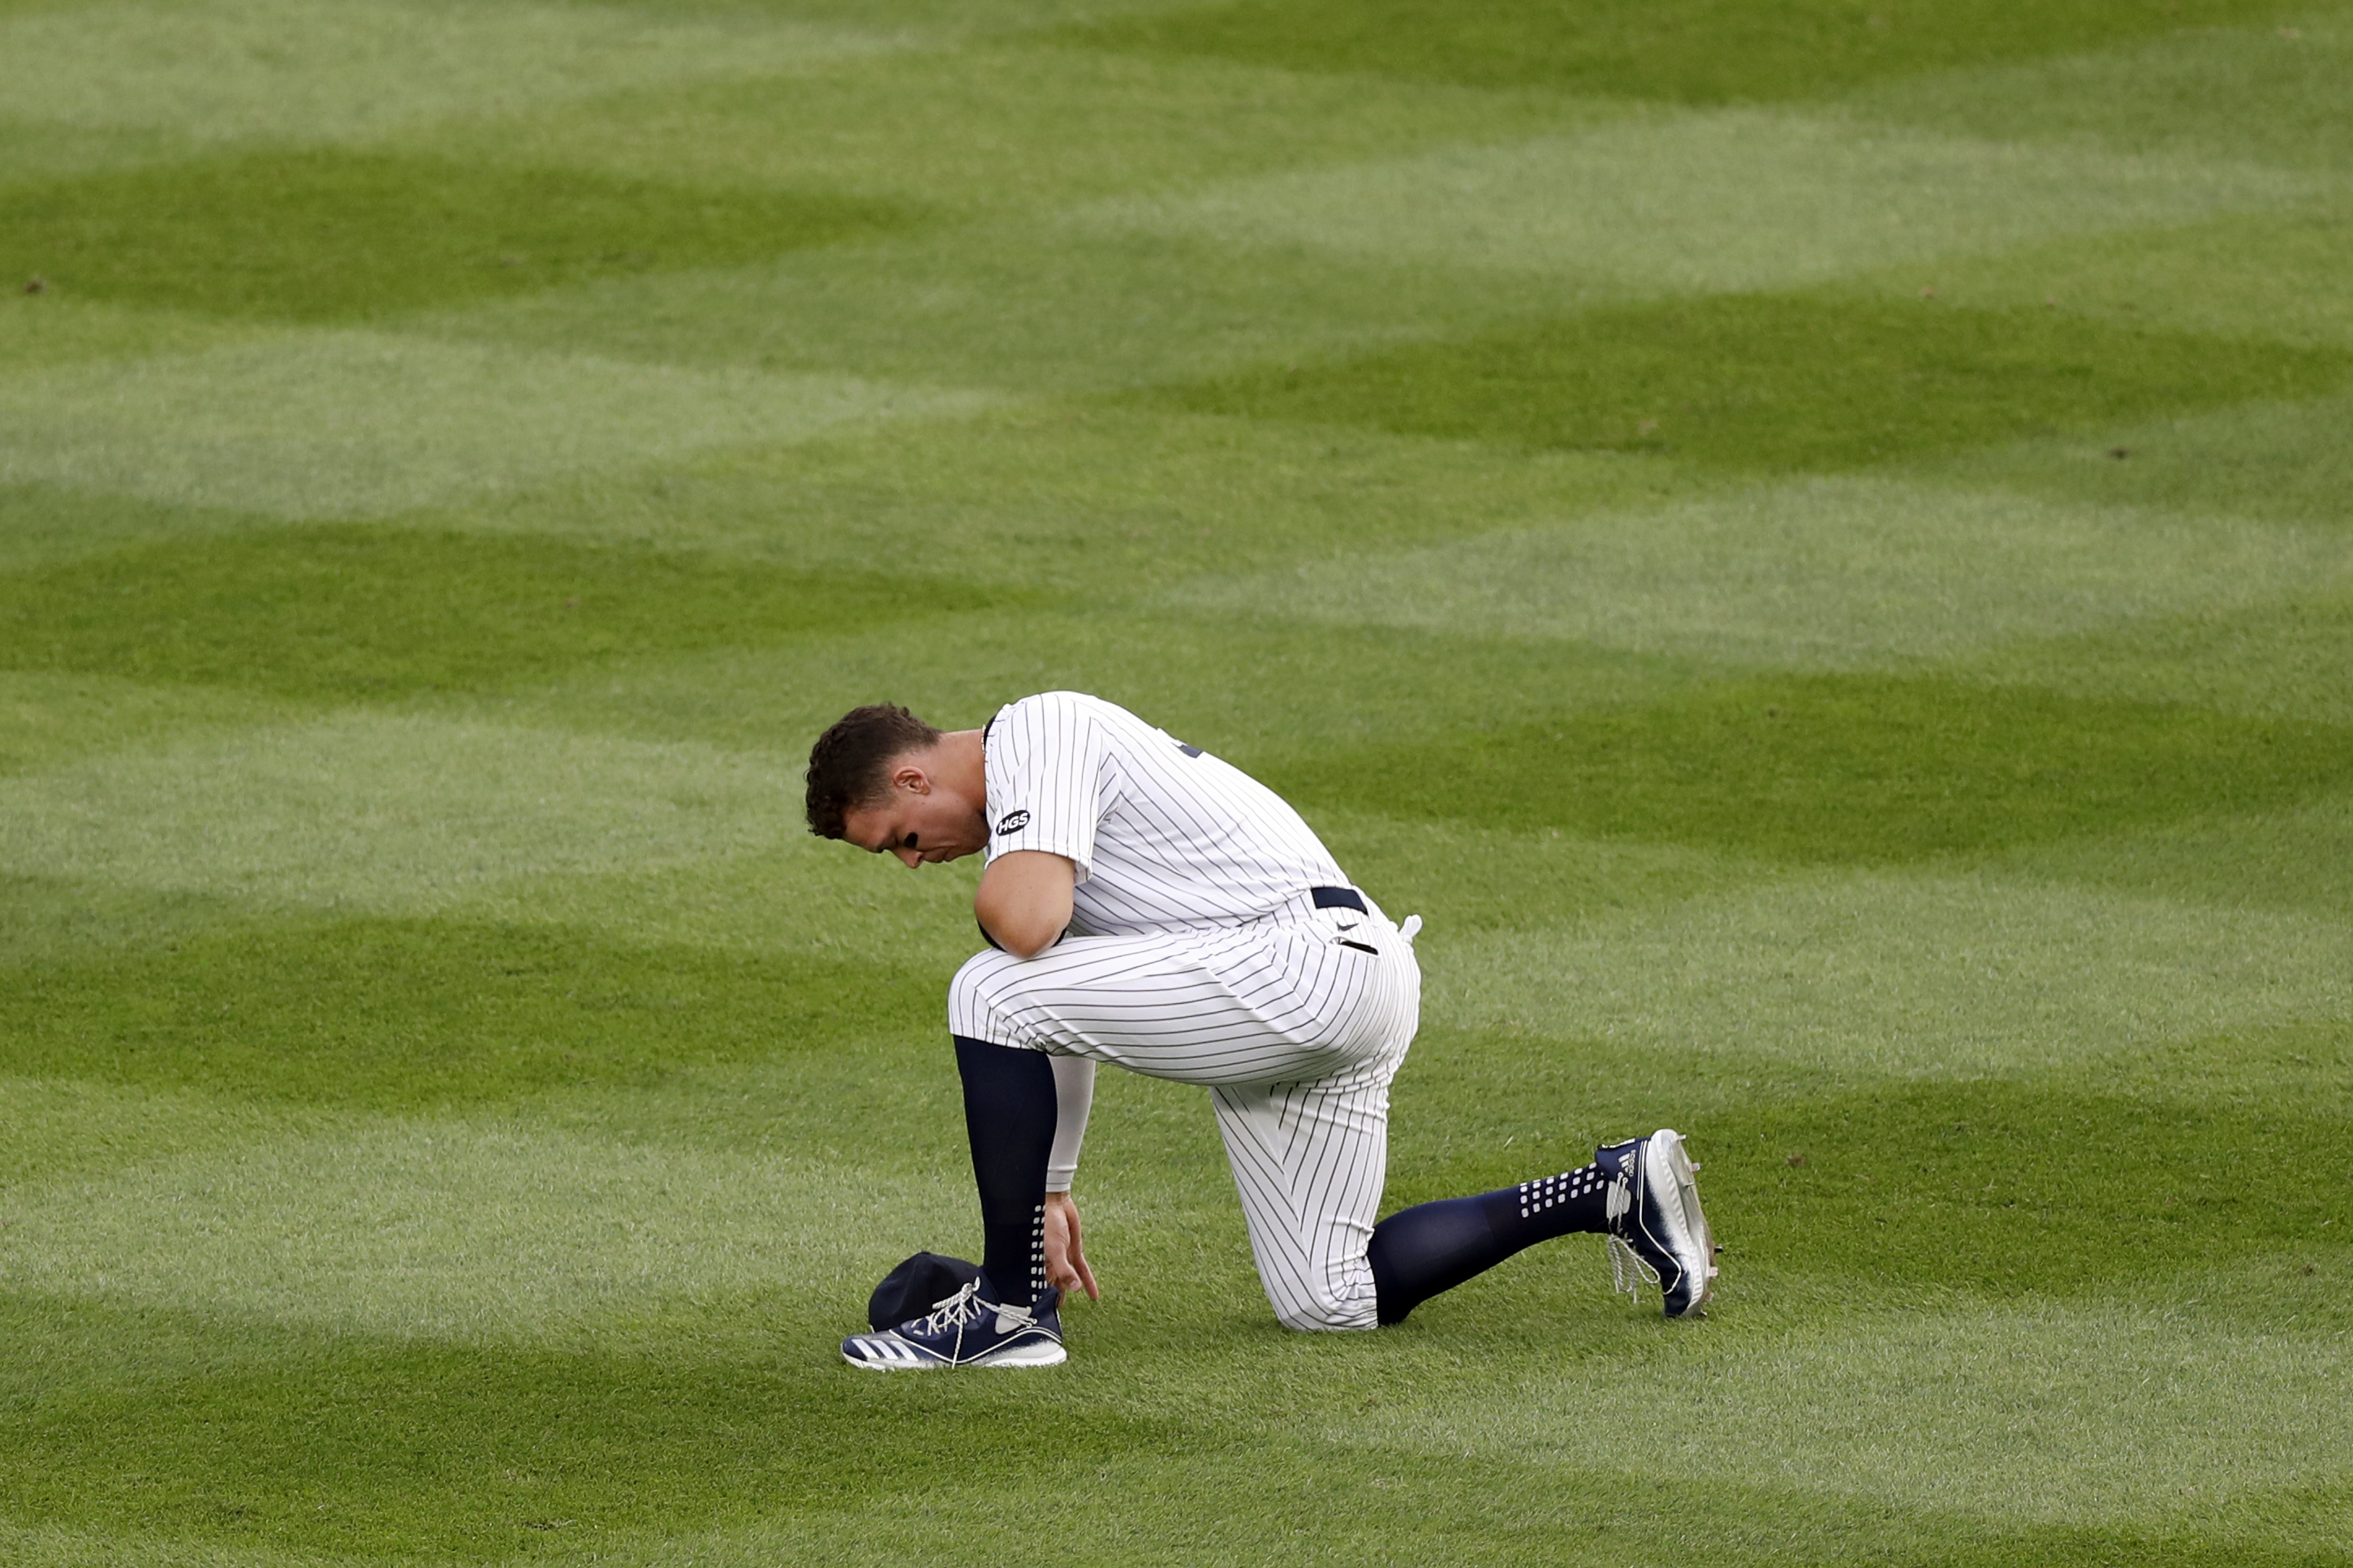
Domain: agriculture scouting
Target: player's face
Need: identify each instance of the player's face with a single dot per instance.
(918, 822)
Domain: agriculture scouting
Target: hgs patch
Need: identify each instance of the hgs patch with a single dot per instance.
(1015, 821)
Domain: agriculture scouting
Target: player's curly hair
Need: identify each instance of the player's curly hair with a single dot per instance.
(846, 765)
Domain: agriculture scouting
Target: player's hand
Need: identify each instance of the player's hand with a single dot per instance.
(1066, 1264)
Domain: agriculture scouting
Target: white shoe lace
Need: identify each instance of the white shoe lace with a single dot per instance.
(966, 1307)
(1627, 1269)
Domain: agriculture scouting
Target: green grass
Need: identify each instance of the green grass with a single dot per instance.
(321, 237)
(1697, 51)
(1642, 479)
(347, 612)
(396, 1015)
(1856, 770)
(1779, 384)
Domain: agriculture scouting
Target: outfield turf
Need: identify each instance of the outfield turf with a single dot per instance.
(1809, 537)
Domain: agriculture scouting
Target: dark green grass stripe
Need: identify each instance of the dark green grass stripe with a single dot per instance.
(1856, 769)
(1780, 382)
(339, 612)
(323, 1443)
(327, 234)
(1691, 51)
(397, 1015)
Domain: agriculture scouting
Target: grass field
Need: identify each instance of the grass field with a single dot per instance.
(1809, 537)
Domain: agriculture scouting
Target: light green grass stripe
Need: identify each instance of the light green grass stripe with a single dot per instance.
(1737, 199)
(55, 1130)
(2269, 94)
(1335, 261)
(2286, 663)
(1809, 574)
(2277, 277)
(447, 1230)
(966, 130)
(2167, 1410)
(62, 1546)
(1059, 495)
(1927, 975)
(353, 423)
(37, 331)
(50, 720)
(649, 841)
(222, 70)
(2291, 461)
(2299, 860)
(389, 812)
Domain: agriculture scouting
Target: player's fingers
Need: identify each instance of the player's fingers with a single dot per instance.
(1078, 1258)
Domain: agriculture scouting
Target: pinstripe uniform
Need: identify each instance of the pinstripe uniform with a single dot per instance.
(1200, 950)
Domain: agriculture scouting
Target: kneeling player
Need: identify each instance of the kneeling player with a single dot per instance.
(1153, 907)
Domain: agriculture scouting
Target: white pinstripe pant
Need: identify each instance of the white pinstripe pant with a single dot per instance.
(1296, 1037)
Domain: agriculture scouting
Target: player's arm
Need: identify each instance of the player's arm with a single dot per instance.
(1024, 902)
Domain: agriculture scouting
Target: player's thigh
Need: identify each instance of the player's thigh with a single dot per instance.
(1309, 1161)
(1249, 1006)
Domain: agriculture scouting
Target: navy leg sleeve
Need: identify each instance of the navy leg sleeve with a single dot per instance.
(1009, 1114)
(1417, 1252)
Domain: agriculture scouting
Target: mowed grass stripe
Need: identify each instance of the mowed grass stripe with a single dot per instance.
(2276, 661)
(1811, 573)
(2281, 460)
(1852, 769)
(646, 843)
(446, 1230)
(344, 424)
(1726, 200)
(1307, 264)
(396, 1015)
(2271, 95)
(342, 612)
(1950, 975)
(2252, 277)
(313, 72)
(1779, 383)
(963, 131)
(344, 234)
(1713, 51)
(2015, 1416)
(395, 812)
(1504, 1505)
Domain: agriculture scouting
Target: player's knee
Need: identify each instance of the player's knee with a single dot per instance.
(1325, 1313)
(976, 1002)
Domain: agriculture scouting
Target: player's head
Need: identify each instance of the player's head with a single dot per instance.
(876, 780)
(849, 766)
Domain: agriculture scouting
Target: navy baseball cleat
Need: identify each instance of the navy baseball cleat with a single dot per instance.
(965, 1331)
(1656, 1229)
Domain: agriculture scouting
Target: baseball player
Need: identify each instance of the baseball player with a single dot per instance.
(1152, 907)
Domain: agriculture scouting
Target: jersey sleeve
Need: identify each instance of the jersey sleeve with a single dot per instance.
(1046, 777)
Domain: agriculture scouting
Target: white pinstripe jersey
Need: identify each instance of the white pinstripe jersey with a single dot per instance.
(1164, 837)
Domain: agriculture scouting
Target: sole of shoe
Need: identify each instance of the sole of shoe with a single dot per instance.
(1035, 1352)
(1048, 1353)
(1668, 1173)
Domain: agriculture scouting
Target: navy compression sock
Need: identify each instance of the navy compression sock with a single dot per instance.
(1010, 1112)
(1417, 1252)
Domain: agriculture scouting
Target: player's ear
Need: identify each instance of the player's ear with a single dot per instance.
(906, 775)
